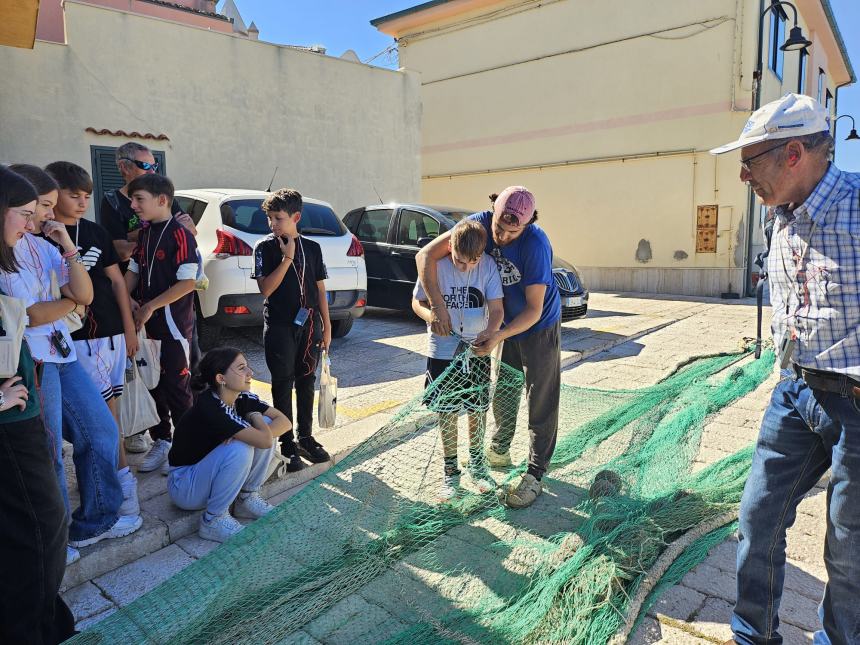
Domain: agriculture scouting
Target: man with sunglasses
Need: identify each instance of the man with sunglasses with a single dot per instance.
(812, 423)
(531, 332)
(115, 213)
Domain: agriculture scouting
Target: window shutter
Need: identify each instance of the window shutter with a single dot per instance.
(105, 174)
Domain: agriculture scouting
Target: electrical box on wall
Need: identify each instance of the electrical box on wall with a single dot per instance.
(706, 228)
(18, 27)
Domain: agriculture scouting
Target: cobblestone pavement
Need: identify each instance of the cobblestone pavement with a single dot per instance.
(627, 341)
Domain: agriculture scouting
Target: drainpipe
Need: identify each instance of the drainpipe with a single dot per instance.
(748, 289)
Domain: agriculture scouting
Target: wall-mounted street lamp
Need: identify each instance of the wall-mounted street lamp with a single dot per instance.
(796, 41)
(852, 136)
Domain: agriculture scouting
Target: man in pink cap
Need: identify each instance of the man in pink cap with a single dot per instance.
(812, 424)
(531, 329)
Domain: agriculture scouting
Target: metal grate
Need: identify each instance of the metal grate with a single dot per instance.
(572, 313)
(706, 228)
(565, 280)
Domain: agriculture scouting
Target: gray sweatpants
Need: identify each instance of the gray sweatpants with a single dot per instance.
(538, 356)
(217, 479)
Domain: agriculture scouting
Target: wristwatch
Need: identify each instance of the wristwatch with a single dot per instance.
(2, 399)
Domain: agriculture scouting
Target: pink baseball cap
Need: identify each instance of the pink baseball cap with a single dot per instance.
(516, 201)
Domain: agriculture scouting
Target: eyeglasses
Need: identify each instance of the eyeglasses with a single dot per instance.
(745, 163)
(143, 165)
(24, 213)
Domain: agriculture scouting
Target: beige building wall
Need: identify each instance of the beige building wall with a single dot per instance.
(232, 109)
(606, 111)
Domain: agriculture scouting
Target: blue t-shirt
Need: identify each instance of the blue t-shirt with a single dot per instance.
(525, 261)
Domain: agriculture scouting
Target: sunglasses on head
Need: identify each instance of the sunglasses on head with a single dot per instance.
(143, 165)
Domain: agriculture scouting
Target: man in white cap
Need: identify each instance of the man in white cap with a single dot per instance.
(531, 330)
(813, 421)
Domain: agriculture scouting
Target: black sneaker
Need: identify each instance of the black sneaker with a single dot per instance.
(312, 450)
(294, 463)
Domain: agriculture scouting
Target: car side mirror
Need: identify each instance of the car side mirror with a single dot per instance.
(423, 241)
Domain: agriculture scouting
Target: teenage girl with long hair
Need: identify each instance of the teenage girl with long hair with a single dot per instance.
(33, 529)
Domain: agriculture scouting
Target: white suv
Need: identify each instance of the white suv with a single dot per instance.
(229, 223)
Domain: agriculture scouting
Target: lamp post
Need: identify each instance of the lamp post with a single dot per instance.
(853, 136)
(796, 41)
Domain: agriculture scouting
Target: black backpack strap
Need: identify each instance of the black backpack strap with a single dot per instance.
(759, 301)
(112, 199)
(761, 262)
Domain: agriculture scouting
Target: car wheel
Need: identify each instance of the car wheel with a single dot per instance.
(340, 328)
(208, 333)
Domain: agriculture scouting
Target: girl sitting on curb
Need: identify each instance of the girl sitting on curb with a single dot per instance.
(222, 446)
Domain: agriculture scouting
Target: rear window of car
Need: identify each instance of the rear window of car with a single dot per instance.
(193, 207)
(246, 215)
(457, 215)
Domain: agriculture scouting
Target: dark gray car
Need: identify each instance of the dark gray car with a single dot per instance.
(392, 234)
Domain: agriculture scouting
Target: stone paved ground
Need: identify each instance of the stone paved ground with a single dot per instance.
(380, 365)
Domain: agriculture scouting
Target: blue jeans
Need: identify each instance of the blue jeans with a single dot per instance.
(72, 404)
(217, 479)
(804, 432)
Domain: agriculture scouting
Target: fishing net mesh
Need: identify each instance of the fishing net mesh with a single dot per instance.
(374, 550)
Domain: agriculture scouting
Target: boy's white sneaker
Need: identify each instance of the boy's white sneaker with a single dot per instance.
(450, 488)
(219, 529)
(136, 443)
(125, 525)
(130, 503)
(251, 506)
(72, 555)
(481, 478)
(156, 456)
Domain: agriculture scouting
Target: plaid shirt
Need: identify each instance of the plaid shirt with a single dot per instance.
(814, 275)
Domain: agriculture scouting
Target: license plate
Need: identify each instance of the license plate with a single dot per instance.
(572, 301)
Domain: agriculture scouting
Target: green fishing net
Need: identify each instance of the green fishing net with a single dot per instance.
(369, 551)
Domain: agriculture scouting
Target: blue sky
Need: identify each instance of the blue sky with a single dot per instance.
(345, 24)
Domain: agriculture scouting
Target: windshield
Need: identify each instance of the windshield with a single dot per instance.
(246, 215)
(558, 263)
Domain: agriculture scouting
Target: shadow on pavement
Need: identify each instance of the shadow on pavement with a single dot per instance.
(600, 313)
(586, 341)
(384, 346)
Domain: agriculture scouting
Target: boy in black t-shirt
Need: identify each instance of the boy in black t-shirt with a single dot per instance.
(289, 270)
(160, 280)
(107, 337)
(122, 224)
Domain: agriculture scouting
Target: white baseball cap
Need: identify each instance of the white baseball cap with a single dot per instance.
(794, 115)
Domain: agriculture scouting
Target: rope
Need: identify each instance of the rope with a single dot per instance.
(662, 564)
